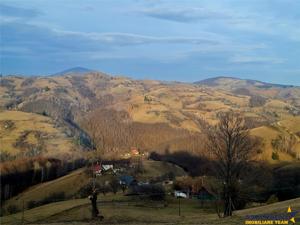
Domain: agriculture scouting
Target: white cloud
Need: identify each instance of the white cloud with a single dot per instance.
(183, 14)
(136, 39)
(240, 59)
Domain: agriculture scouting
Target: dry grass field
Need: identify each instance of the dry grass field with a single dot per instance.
(122, 210)
(21, 132)
(70, 184)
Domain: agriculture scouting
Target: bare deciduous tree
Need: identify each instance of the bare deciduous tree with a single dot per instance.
(113, 132)
(231, 146)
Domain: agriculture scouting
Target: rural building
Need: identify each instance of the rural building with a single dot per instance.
(97, 169)
(127, 180)
(107, 167)
(181, 194)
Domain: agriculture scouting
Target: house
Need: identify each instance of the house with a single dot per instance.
(97, 169)
(127, 180)
(180, 194)
(107, 167)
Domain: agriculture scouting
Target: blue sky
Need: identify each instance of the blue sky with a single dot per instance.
(153, 39)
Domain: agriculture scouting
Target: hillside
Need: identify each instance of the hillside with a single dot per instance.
(28, 135)
(71, 184)
(122, 212)
(174, 109)
(49, 125)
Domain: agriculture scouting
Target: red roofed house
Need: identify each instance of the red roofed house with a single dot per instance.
(97, 169)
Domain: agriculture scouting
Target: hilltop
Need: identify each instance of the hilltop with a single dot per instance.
(76, 70)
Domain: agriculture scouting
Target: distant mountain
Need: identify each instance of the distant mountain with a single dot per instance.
(233, 83)
(77, 70)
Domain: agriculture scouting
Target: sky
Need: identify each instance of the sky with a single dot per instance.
(153, 39)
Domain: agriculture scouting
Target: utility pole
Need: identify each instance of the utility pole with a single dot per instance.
(23, 213)
(179, 209)
(93, 175)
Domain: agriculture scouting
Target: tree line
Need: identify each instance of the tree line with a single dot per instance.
(20, 174)
(113, 133)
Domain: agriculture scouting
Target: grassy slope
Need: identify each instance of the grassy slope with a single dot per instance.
(55, 141)
(156, 168)
(121, 211)
(68, 184)
(291, 125)
(170, 101)
(71, 183)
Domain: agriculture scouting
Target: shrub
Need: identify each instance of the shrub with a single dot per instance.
(115, 185)
(87, 189)
(32, 204)
(2, 212)
(259, 151)
(104, 189)
(171, 175)
(5, 156)
(256, 101)
(12, 209)
(47, 88)
(275, 156)
(285, 143)
(272, 199)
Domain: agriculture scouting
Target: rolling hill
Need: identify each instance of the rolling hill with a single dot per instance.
(178, 107)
